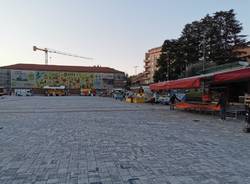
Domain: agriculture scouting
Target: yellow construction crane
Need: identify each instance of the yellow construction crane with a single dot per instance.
(47, 50)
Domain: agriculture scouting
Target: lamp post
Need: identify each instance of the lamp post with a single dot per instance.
(168, 65)
(203, 53)
(203, 45)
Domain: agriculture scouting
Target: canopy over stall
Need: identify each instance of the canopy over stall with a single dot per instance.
(185, 83)
(213, 79)
(241, 74)
(195, 82)
(158, 86)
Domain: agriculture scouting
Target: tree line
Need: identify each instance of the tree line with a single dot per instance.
(213, 40)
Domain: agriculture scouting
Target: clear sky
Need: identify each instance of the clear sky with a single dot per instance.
(117, 33)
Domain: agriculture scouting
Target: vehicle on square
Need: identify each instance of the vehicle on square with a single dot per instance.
(55, 91)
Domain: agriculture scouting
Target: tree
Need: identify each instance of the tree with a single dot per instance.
(213, 40)
(170, 62)
(227, 37)
(128, 82)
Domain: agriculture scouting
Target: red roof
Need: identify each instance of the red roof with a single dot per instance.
(195, 82)
(158, 86)
(37, 67)
(185, 83)
(236, 75)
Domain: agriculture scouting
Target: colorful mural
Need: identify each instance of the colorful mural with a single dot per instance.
(39, 79)
(22, 79)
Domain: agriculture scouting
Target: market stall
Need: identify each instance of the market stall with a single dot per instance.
(234, 83)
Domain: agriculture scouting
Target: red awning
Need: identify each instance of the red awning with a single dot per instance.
(186, 83)
(195, 82)
(157, 86)
(241, 74)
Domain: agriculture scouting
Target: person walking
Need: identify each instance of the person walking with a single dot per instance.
(222, 103)
(172, 101)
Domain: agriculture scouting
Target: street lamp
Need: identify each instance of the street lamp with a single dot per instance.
(168, 65)
(203, 53)
(203, 44)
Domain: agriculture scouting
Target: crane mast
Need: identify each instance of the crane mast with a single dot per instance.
(47, 50)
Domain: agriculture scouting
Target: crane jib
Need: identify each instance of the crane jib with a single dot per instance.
(46, 50)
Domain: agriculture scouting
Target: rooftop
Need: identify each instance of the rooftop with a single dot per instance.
(39, 67)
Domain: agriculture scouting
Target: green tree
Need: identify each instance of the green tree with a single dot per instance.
(213, 40)
(170, 62)
(227, 38)
(128, 82)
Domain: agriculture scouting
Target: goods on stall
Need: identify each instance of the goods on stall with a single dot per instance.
(197, 106)
(135, 98)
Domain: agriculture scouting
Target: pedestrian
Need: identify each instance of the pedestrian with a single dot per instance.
(172, 101)
(222, 103)
(155, 97)
(247, 126)
(141, 91)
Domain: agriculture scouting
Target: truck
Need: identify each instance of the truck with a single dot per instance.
(55, 91)
(23, 92)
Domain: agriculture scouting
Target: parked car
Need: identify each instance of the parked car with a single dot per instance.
(163, 99)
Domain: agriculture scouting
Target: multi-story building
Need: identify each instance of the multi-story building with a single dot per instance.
(150, 63)
(246, 53)
(4, 80)
(74, 78)
(138, 80)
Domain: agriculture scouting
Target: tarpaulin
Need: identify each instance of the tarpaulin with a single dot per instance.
(241, 74)
(195, 82)
(186, 83)
(158, 86)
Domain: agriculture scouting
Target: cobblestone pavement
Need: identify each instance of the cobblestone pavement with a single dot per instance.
(94, 140)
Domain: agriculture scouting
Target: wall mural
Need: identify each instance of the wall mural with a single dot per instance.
(39, 79)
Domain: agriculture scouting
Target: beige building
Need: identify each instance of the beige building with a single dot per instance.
(246, 54)
(150, 64)
(138, 80)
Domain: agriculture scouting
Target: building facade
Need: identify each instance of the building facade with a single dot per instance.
(138, 80)
(150, 63)
(246, 53)
(4, 80)
(74, 78)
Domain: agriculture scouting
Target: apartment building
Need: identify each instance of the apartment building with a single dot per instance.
(150, 63)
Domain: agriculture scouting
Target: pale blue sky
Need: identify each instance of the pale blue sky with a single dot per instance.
(117, 33)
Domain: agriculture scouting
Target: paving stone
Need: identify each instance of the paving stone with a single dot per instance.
(94, 140)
